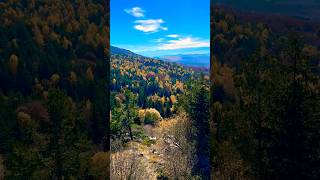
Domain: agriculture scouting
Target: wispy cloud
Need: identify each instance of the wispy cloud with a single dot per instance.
(173, 35)
(149, 25)
(182, 43)
(159, 40)
(135, 11)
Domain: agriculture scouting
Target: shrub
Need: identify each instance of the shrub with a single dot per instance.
(148, 142)
(152, 116)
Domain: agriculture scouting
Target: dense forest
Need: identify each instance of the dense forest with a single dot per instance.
(159, 119)
(265, 103)
(53, 90)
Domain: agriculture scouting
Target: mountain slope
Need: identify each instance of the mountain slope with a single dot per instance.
(124, 52)
(189, 60)
(150, 116)
(53, 96)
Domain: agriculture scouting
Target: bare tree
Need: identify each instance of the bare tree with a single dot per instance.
(176, 149)
(128, 165)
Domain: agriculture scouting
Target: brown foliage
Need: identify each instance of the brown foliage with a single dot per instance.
(55, 78)
(90, 75)
(73, 77)
(36, 111)
(176, 147)
(230, 164)
(2, 168)
(127, 165)
(100, 165)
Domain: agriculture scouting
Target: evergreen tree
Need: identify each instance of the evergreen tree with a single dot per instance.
(131, 111)
(199, 114)
(142, 100)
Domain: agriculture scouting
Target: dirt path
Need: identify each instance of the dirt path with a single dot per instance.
(150, 160)
(150, 157)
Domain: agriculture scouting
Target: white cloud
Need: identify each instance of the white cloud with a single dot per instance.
(159, 40)
(183, 43)
(173, 35)
(135, 11)
(150, 25)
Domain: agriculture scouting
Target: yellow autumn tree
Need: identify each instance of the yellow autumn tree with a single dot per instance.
(45, 95)
(114, 81)
(46, 30)
(73, 77)
(173, 99)
(66, 43)
(179, 85)
(152, 116)
(223, 25)
(163, 100)
(90, 75)
(24, 119)
(55, 78)
(13, 64)
(38, 37)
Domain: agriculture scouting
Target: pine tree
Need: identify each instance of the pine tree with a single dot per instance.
(199, 114)
(142, 100)
(131, 111)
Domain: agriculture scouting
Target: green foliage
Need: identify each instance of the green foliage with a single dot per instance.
(153, 81)
(125, 111)
(52, 108)
(151, 85)
(263, 112)
(117, 119)
(151, 117)
(198, 110)
(162, 176)
(160, 90)
(147, 141)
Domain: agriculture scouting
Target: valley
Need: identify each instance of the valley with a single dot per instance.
(151, 118)
(189, 60)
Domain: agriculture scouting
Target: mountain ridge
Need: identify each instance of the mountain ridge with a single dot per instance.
(193, 60)
(187, 60)
(121, 51)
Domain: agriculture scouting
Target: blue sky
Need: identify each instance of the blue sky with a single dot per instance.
(161, 27)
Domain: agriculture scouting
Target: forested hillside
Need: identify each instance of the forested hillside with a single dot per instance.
(159, 114)
(265, 96)
(53, 97)
(307, 9)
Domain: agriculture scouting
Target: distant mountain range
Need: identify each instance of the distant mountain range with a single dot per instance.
(190, 60)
